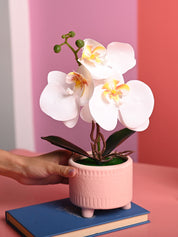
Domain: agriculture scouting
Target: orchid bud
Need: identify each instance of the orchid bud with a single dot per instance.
(79, 43)
(57, 48)
(71, 33)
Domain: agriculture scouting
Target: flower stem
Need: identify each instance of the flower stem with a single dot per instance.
(96, 142)
(57, 48)
(74, 51)
(98, 137)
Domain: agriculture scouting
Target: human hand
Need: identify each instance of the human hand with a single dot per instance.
(51, 168)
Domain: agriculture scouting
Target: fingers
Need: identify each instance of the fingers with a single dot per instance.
(64, 156)
(58, 156)
(61, 170)
(66, 171)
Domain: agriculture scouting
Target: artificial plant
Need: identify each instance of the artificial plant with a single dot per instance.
(97, 93)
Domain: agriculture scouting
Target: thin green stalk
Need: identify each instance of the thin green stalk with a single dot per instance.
(79, 43)
(74, 51)
(98, 144)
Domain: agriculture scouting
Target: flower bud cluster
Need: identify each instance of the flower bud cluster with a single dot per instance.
(79, 43)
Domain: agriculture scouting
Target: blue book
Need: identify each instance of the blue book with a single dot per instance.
(62, 218)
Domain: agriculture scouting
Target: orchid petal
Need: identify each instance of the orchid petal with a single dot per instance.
(55, 102)
(138, 105)
(99, 72)
(105, 114)
(71, 123)
(85, 114)
(120, 56)
(93, 52)
(56, 78)
(93, 58)
(142, 127)
(89, 87)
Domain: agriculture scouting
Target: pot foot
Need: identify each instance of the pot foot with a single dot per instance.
(126, 207)
(87, 213)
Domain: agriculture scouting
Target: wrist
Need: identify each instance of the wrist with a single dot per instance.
(10, 164)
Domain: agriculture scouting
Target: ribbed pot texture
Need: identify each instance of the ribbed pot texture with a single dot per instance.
(101, 187)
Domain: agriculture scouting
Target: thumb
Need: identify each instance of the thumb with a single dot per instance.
(65, 171)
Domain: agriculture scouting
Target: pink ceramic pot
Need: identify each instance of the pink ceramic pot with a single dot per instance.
(101, 187)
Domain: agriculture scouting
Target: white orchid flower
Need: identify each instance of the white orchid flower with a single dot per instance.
(131, 103)
(102, 62)
(65, 93)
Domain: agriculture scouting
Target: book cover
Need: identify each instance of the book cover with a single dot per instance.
(62, 218)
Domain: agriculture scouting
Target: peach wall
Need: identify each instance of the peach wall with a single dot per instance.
(158, 67)
(105, 21)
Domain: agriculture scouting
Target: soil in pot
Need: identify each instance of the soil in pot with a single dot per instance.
(91, 162)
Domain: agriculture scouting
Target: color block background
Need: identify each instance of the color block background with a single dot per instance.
(151, 28)
(158, 67)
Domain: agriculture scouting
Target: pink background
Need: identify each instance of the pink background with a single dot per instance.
(104, 21)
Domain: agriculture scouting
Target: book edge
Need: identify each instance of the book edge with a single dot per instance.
(18, 226)
(107, 227)
(118, 229)
(91, 231)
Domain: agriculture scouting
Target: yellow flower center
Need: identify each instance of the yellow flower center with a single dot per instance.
(93, 54)
(115, 91)
(79, 81)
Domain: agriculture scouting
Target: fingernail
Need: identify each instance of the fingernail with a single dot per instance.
(71, 172)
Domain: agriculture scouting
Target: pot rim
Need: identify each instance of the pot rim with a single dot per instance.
(128, 162)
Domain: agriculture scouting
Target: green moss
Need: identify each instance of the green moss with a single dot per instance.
(91, 162)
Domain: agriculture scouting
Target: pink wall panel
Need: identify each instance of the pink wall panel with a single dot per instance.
(105, 21)
(158, 67)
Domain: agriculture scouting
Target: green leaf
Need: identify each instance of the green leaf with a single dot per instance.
(58, 141)
(116, 139)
